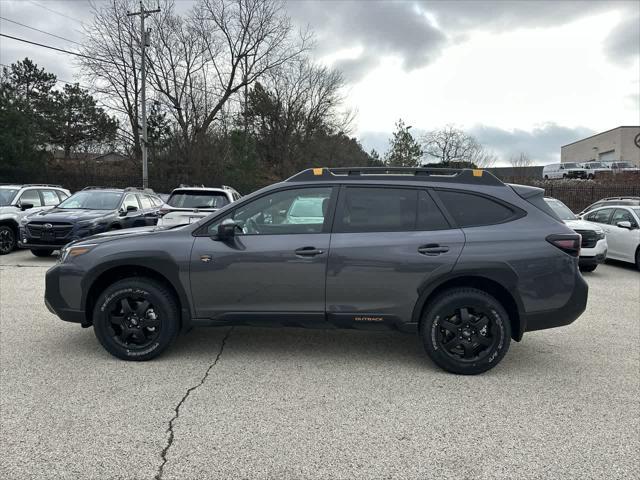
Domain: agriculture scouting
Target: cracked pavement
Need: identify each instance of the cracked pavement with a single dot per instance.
(316, 404)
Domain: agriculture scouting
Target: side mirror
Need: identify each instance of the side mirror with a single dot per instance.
(25, 206)
(227, 229)
(625, 224)
(131, 208)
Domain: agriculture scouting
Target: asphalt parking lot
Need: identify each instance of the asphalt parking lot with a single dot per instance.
(271, 403)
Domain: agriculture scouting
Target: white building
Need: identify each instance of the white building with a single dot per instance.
(620, 144)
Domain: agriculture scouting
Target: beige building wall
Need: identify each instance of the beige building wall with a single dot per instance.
(613, 145)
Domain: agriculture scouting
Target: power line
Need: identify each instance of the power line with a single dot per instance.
(38, 30)
(62, 50)
(56, 12)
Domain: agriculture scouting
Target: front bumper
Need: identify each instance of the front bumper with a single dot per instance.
(564, 315)
(62, 294)
(594, 255)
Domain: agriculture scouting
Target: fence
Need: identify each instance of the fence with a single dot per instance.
(577, 198)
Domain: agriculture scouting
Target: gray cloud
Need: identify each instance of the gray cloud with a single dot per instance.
(542, 144)
(623, 44)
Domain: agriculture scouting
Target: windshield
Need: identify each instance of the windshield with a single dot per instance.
(561, 209)
(623, 165)
(198, 199)
(570, 165)
(6, 195)
(596, 165)
(636, 210)
(307, 207)
(93, 200)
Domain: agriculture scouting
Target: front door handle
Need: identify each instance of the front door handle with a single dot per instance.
(432, 249)
(308, 252)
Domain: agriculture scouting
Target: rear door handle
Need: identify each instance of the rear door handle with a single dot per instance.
(308, 252)
(432, 249)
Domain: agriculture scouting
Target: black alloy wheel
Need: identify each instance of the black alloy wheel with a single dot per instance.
(7, 239)
(467, 334)
(134, 323)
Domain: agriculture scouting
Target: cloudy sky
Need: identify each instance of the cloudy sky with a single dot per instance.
(520, 75)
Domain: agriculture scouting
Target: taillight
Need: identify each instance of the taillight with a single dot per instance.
(568, 243)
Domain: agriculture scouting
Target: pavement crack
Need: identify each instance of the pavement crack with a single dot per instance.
(184, 398)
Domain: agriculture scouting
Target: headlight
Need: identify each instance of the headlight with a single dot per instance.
(599, 234)
(75, 251)
(88, 223)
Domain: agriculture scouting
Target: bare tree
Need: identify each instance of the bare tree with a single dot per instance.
(111, 63)
(520, 160)
(451, 144)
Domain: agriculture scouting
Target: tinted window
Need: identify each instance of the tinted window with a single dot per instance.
(600, 216)
(621, 215)
(50, 197)
(300, 210)
(429, 215)
(470, 210)
(31, 196)
(377, 210)
(197, 199)
(6, 196)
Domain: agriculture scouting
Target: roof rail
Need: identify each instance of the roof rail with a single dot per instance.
(41, 185)
(99, 187)
(445, 175)
(138, 189)
(184, 185)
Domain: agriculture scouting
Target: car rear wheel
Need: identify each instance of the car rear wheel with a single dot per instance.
(465, 331)
(136, 318)
(7, 239)
(42, 253)
(588, 268)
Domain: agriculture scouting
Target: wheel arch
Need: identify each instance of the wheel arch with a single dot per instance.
(120, 272)
(10, 222)
(492, 286)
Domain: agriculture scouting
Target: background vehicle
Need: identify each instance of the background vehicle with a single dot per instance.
(190, 204)
(594, 168)
(593, 246)
(563, 170)
(17, 201)
(623, 167)
(87, 212)
(626, 201)
(457, 256)
(621, 227)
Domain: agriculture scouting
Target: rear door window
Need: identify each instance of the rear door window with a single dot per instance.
(144, 201)
(429, 215)
(50, 197)
(371, 209)
(600, 216)
(470, 210)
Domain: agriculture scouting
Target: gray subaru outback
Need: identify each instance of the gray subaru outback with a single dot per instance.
(456, 256)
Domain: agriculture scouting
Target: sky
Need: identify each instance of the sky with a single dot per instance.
(521, 76)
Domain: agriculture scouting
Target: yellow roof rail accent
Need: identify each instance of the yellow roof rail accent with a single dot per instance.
(318, 171)
(477, 173)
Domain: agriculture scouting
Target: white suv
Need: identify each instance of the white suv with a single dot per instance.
(189, 204)
(593, 248)
(18, 201)
(621, 225)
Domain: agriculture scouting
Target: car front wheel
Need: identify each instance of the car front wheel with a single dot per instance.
(7, 239)
(465, 331)
(136, 318)
(42, 253)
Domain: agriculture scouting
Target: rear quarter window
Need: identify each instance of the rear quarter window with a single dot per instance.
(471, 210)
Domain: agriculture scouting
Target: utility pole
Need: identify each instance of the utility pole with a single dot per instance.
(144, 43)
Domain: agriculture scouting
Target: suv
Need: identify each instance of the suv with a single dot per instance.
(17, 201)
(189, 204)
(593, 246)
(87, 212)
(457, 256)
(621, 225)
(612, 201)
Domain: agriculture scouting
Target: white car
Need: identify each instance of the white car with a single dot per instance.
(563, 170)
(189, 204)
(621, 226)
(18, 201)
(594, 168)
(593, 248)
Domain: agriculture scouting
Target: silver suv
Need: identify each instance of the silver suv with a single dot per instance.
(18, 201)
(189, 204)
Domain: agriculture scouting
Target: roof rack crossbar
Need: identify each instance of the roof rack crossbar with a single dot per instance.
(453, 175)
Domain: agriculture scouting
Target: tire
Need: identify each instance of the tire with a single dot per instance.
(7, 239)
(588, 268)
(42, 253)
(447, 347)
(638, 258)
(138, 334)
(546, 177)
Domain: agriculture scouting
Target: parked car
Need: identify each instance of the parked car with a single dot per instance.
(87, 212)
(189, 204)
(619, 167)
(563, 170)
(625, 201)
(595, 168)
(621, 227)
(457, 256)
(17, 201)
(593, 245)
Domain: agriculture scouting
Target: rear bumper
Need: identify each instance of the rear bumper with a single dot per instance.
(562, 316)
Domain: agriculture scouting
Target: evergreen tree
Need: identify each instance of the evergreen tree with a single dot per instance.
(404, 150)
